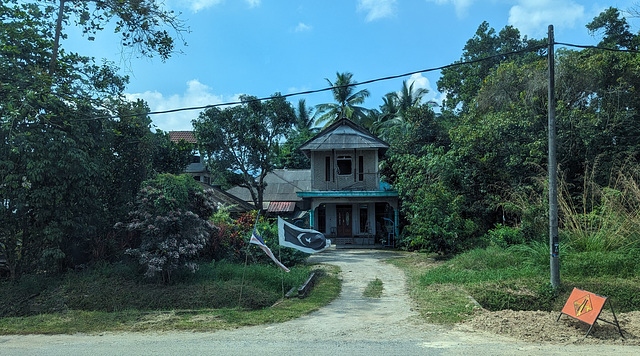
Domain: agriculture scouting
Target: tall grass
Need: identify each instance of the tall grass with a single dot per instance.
(604, 218)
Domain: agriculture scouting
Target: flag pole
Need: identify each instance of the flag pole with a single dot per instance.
(246, 259)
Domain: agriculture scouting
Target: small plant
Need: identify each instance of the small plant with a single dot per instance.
(505, 236)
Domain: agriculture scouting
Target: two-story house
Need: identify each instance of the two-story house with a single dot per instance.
(347, 201)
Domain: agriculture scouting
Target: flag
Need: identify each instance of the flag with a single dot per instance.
(256, 239)
(305, 240)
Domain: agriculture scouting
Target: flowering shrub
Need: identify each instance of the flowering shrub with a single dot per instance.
(232, 237)
(170, 219)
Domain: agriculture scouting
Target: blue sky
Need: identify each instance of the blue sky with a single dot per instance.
(259, 47)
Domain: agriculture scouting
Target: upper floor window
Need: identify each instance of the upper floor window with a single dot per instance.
(344, 165)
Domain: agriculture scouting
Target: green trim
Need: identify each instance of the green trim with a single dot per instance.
(348, 193)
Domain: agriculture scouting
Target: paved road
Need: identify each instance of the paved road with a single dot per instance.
(351, 325)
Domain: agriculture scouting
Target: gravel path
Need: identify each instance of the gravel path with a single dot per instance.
(350, 325)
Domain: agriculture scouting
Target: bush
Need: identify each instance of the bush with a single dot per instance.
(505, 236)
(171, 221)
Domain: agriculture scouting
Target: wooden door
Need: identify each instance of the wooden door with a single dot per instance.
(344, 220)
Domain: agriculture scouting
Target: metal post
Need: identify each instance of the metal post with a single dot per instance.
(554, 245)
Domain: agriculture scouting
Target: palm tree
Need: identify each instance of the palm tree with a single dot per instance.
(396, 105)
(347, 101)
(304, 117)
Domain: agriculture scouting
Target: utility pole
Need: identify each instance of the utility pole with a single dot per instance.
(554, 245)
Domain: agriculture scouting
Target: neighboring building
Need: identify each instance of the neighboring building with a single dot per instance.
(346, 199)
(200, 173)
(280, 193)
(196, 168)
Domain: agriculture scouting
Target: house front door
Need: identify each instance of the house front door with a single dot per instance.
(344, 220)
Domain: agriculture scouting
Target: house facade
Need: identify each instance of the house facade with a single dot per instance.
(196, 167)
(346, 200)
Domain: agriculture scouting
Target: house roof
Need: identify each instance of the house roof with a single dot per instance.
(234, 203)
(344, 134)
(188, 136)
(282, 185)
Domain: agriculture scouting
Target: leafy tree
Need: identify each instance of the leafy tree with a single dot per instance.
(616, 30)
(485, 50)
(244, 139)
(139, 22)
(347, 101)
(171, 221)
(57, 159)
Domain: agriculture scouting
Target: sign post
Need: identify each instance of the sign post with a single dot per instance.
(586, 307)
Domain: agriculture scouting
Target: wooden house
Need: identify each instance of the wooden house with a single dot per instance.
(346, 200)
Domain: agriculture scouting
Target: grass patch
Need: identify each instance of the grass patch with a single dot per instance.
(517, 279)
(373, 289)
(178, 307)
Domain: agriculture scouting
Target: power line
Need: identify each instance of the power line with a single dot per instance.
(308, 92)
(597, 47)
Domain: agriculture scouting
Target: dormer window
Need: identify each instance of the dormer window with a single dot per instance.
(344, 165)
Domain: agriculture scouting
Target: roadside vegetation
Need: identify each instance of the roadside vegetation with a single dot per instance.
(110, 298)
(98, 232)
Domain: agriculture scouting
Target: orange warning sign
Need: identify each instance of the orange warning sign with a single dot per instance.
(584, 306)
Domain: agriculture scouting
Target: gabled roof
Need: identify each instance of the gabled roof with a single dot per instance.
(188, 136)
(343, 134)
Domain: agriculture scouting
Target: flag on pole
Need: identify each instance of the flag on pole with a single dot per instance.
(256, 239)
(305, 240)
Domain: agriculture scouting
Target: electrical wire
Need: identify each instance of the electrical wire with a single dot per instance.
(308, 92)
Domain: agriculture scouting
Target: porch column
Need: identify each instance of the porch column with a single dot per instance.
(312, 219)
(396, 221)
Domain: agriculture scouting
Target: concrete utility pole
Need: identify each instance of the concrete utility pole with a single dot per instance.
(554, 245)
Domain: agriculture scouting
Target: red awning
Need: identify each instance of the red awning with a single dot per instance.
(281, 206)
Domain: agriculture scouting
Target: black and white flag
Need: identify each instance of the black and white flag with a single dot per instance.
(305, 240)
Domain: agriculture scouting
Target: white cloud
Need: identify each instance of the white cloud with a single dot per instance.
(254, 3)
(532, 17)
(461, 6)
(302, 27)
(423, 82)
(197, 5)
(377, 9)
(196, 94)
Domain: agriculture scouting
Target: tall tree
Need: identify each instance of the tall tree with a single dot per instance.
(244, 139)
(141, 24)
(485, 50)
(347, 101)
(615, 30)
(395, 108)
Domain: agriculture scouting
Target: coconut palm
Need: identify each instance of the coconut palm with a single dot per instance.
(396, 105)
(347, 101)
(305, 118)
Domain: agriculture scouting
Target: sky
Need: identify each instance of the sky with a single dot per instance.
(260, 47)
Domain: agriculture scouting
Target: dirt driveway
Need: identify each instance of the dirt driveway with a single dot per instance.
(350, 325)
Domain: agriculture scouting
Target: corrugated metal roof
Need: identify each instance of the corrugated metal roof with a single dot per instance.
(281, 206)
(282, 185)
(343, 134)
(188, 136)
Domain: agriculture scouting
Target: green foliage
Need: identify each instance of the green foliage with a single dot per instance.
(171, 221)
(432, 209)
(66, 177)
(347, 101)
(244, 139)
(373, 289)
(505, 236)
(116, 288)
